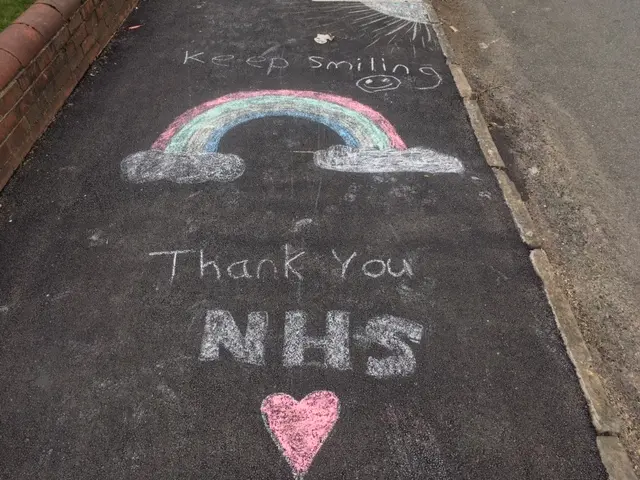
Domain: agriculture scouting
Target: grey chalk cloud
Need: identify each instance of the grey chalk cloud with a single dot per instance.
(156, 165)
(356, 160)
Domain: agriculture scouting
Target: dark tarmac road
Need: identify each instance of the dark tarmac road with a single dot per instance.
(186, 245)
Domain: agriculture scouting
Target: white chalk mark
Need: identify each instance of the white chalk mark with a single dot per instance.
(387, 25)
(398, 66)
(156, 165)
(406, 269)
(373, 43)
(389, 332)
(344, 265)
(410, 10)
(318, 193)
(278, 66)
(263, 262)
(373, 21)
(220, 329)
(349, 159)
(243, 264)
(220, 59)
(378, 83)
(300, 225)
(175, 254)
(288, 260)
(194, 57)
(430, 71)
(399, 28)
(204, 265)
(367, 268)
(335, 344)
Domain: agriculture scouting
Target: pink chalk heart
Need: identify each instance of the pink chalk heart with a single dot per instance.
(300, 428)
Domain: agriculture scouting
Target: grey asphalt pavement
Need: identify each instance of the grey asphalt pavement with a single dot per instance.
(242, 253)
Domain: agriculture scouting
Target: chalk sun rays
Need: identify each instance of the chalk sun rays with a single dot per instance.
(384, 26)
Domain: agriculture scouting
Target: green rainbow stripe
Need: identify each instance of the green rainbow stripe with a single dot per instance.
(202, 128)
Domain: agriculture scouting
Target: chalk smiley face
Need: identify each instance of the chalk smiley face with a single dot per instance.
(378, 83)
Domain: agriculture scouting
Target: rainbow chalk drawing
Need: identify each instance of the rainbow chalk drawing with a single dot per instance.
(187, 152)
(300, 428)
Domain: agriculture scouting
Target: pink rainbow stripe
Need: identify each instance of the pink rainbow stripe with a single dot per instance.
(384, 124)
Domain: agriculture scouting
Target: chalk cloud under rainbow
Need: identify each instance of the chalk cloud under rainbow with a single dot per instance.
(187, 151)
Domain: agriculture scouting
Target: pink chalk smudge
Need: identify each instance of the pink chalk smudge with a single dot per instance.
(396, 142)
(300, 428)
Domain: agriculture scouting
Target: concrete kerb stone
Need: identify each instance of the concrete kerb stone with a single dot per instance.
(519, 212)
(604, 419)
(615, 459)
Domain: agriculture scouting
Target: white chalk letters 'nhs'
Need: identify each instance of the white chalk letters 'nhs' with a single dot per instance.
(386, 332)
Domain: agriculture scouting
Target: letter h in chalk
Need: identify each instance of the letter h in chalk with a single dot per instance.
(335, 343)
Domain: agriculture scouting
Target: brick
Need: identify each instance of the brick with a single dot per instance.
(23, 105)
(9, 68)
(25, 79)
(37, 113)
(18, 137)
(61, 38)
(6, 156)
(58, 102)
(86, 9)
(8, 122)
(65, 7)
(74, 56)
(95, 51)
(63, 77)
(22, 41)
(32, 72)
(81, 69)
(92, 23)
(75, 21)
(103, 33)
(9, 97)
(59, 62)
(45, 56)
(49, 92)
(44, 19)
(88, 43)
(102, 9)
(42, 81)
(8, 164)
(79, 36)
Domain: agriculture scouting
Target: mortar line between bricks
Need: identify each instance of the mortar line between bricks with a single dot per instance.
(604, 420)
(8, 52)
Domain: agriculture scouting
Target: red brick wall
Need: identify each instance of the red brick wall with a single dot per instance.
(43, 55)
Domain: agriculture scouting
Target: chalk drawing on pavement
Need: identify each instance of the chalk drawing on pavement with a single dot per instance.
(187, 152)
(394, 334)
(155, 165)
(349, 159)
(378, 83)
(299, 429)
(385, 21)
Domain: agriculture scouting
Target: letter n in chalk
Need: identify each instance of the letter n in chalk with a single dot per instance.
(220, 330)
